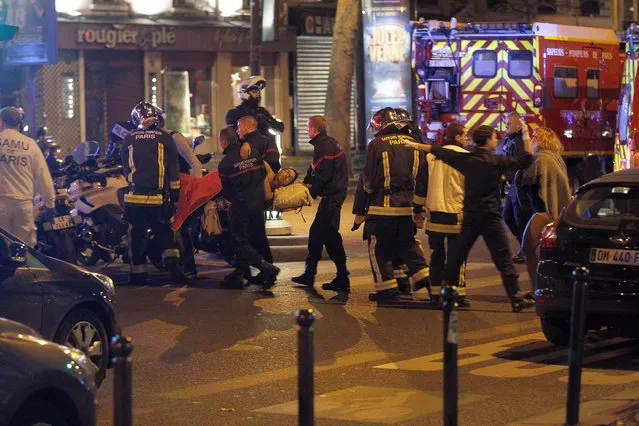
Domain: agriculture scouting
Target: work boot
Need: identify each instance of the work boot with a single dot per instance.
(138, 278)
(384, 296)
(340, 282)
(308, 277)
(404, 285)
(177, 276)
(234, 280)
(270, 273)
(519, 258)
(519, 300)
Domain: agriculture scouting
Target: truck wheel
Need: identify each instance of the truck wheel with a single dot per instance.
(556, 331)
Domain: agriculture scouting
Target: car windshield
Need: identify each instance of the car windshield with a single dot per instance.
(606, 207)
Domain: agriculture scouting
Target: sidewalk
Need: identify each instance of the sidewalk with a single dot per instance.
(615, 410)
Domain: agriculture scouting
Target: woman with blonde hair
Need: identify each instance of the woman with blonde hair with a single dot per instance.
(545, 183)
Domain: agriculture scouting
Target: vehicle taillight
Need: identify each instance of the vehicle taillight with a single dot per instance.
(537, 94)
(421, 91)
(549, 236)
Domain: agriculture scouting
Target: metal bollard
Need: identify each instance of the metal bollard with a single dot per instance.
(121, 347)
(305, 388)
(449, 295)
(576, 354)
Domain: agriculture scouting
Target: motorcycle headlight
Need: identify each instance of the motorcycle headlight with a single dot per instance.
(106, 282)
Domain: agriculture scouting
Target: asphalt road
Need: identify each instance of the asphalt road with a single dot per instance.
(209, 356)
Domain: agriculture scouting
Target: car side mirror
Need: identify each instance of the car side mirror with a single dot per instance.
(17, 254)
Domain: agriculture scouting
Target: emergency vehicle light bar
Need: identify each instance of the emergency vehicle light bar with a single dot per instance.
(435, 27)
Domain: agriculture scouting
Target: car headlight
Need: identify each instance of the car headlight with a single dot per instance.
(107, 282)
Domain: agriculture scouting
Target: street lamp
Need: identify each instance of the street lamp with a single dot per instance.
(227, 7)
(71, 7)
(156, 7)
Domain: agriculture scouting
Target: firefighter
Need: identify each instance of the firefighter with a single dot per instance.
(395, 181)
(516, 211)
(151, 167)
(328, 178)
(247, 128)
(119, 132)
(444, 210)
(243, 185)
(189, 164)
(482, 170)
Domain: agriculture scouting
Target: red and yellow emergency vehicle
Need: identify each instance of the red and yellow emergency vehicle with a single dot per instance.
(627, 140)
(558, 76)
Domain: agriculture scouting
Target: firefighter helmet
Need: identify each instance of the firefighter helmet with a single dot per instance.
(144, 115)
(403, 115)
(256, 82)
(382, 118)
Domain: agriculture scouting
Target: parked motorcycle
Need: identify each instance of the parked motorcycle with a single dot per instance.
(96, 194)
(56, 227)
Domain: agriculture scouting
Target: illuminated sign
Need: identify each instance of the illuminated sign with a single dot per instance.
(386, 55)
(150, 37)
(37, 39)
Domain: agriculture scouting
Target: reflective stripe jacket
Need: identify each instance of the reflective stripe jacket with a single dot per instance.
(266, 148)
(395, 177)
(242, 180)
(328, 175)
(151, 166)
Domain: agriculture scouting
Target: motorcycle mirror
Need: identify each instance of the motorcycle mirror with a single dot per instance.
(198, 141)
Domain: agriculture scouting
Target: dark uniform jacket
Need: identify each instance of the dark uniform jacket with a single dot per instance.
(266, 148)
(396, 178)
(151, 166)
(242, 180)
(328, 175)
(119, 132)
(265, 120)
(512, 146)
(482, 169)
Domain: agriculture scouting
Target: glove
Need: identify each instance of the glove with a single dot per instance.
(358, 222)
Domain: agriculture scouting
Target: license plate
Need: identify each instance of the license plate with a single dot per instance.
(62, 222)
(614, 257)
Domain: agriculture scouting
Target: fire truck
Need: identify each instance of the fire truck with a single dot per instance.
(627, 139)
(558, 76)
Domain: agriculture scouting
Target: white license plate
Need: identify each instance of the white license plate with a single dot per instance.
(614, 257)
(62, 222)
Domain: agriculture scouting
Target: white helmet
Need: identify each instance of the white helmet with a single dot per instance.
(256, 82)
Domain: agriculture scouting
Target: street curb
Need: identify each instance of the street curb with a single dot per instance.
(619, 409)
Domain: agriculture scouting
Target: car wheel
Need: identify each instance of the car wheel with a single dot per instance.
(39, 413)
(556, 331)
(84, 330)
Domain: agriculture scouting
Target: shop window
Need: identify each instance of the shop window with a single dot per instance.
(485, 63)
(592, 84)
(520, 64)
(187, 100)
(565, 82)
(68, 96)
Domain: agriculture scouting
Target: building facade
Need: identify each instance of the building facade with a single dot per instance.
(190, 64)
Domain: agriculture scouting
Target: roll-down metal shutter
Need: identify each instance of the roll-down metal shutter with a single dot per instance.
(311, 85)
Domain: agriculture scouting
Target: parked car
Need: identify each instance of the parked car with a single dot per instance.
(64, 303)
(43, 383)
(599, 229)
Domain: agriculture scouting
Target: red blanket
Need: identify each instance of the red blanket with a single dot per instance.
(194, 193)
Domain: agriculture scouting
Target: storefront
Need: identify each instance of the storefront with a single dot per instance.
(192, 72)
(312, 65)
